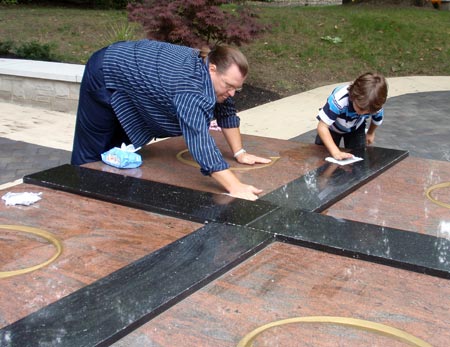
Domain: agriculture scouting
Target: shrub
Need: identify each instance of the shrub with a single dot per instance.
(35, 51)
(6, 47)
(196, 23)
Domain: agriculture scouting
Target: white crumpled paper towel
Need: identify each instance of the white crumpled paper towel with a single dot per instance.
(25, 198)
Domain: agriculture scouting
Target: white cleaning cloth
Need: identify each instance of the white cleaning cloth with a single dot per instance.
(25, 198)
(344, 161)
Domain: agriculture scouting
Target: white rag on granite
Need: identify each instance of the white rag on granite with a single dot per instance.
(25, 198)
(344, 161)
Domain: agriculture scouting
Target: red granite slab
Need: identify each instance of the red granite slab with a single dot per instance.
(160, 163)
(97, 239)
(397, 198)
(284, 281)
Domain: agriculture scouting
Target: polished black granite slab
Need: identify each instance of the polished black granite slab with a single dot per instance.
(151, 196)
(108, 309)
(393, 247)
(321, 188)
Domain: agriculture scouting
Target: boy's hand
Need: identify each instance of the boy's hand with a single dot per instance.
(342, 155)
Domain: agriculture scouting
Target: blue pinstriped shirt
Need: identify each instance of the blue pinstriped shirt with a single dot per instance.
(340, 115)
(164, 90)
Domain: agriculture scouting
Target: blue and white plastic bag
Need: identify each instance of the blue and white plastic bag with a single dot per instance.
(123, 157)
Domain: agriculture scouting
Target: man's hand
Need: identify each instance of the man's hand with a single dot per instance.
(250, 159)
(245, 191)
(233, 137)
(234, 187)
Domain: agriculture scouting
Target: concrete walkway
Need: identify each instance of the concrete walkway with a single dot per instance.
(295, 115)
(34, 139)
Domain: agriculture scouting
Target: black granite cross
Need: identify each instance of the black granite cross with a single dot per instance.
(154, 283)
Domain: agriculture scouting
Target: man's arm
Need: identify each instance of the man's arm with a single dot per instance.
(234, 139)
(203, 148)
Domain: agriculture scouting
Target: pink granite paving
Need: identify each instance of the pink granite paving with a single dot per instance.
(97, 238)
(284, 281)
(160, 163)
(397, 198)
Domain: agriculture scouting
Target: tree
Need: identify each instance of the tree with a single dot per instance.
(196, 23)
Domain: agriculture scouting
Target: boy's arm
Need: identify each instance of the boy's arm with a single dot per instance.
(324, 132)
(370, 136)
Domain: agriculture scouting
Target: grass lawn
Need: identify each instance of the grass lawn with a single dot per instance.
(306, 48)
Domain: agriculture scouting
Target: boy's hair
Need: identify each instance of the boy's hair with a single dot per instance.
(224, 56)
(369, 91)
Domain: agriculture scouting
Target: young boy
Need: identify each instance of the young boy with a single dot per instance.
(345, 113)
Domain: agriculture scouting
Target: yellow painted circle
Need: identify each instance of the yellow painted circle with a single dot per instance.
(378, 328)
(39, 232)
(438, 186)
(253, 167)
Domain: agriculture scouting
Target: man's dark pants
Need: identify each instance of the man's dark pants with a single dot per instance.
(97, 128)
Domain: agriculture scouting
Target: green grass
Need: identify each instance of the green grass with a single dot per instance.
(298, 54)
(75, 32)
(395, 41)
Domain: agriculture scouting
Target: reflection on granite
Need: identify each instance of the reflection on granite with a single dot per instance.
(284, 281)
(411, 251)
(108, 309)
(160, 163)
(151, 196)
(397, 199)
(325, 185)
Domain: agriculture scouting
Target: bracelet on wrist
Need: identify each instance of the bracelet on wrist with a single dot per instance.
(238, 153)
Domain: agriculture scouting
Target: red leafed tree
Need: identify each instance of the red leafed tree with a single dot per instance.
(196, 23)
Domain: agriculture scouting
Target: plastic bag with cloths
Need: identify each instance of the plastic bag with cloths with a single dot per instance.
(124, 157)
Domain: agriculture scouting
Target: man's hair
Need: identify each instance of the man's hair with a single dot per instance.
(224, 56)
(369, 91)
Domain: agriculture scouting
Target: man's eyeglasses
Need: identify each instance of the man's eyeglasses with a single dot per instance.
(230, 87)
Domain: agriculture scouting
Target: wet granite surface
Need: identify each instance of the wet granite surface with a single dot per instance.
(402, 189)
(162, 163)
(151, 196)
(110, 308)
(284, 281)
(97, 239)
(330, 182)
(407, 250)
